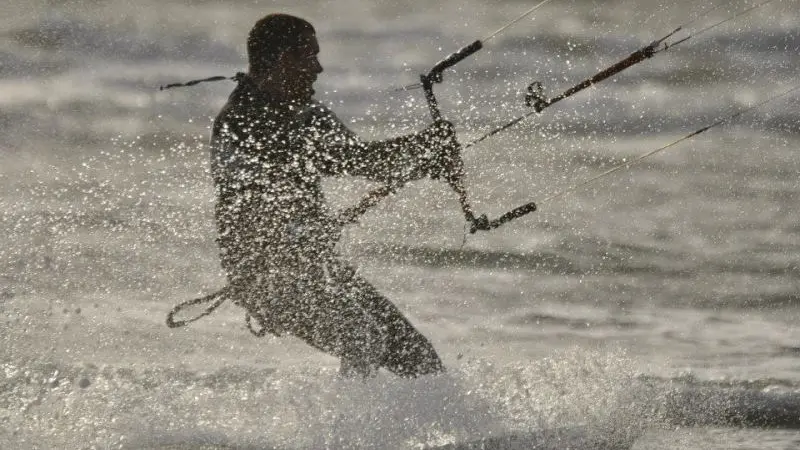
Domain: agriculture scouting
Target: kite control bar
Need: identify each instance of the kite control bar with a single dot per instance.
(455, 176)
(435, 75)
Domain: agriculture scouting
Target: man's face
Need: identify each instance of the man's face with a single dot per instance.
(299, 68)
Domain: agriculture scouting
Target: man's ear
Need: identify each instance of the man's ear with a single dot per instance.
(282, 60)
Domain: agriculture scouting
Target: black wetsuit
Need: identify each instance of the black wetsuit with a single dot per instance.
(277, 236)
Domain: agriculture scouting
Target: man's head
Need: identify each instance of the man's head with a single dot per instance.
(282, 53)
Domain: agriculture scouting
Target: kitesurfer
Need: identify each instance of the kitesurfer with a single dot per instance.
(272, 144)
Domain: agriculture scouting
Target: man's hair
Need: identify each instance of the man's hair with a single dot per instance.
(272, 35)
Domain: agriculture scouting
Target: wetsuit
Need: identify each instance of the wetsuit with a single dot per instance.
(277, 237)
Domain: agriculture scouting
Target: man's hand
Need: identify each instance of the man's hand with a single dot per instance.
(445, 151)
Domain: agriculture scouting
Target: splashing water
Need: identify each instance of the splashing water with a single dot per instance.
(107, 407)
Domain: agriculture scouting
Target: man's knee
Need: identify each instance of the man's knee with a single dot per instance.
(413, 355)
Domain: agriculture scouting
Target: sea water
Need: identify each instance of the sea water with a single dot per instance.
(680, 272)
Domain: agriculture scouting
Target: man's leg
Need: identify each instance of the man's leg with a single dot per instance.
(325, 317)
(407, 352)
(340, 313)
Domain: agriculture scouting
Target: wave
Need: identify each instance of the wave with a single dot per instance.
(460, 258)
(583, 255)
(767, 403)
(576, 257)
(586, 399)
(65, 34)
(574, 322)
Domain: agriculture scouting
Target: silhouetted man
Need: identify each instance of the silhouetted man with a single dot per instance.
(271, 146)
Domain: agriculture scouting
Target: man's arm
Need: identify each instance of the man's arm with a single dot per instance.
(336, 150)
